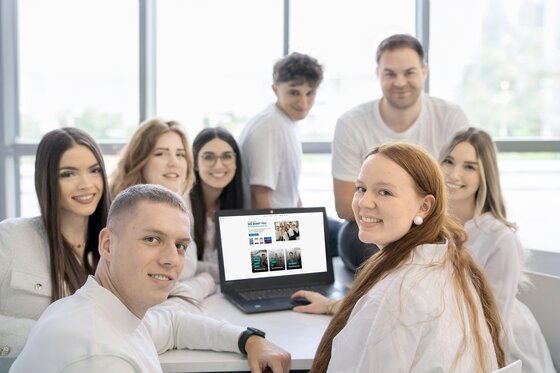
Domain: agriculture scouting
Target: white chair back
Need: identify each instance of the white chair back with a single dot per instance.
(543, 299)
(514, 367)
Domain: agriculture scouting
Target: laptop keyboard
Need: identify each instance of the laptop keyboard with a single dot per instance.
(281, 292)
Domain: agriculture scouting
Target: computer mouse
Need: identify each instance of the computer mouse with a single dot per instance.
(300, 301)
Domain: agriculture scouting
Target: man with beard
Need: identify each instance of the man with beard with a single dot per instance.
(404, 113)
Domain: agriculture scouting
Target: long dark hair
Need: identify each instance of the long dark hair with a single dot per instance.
(437, 227)
(232, 195)
(67, 274)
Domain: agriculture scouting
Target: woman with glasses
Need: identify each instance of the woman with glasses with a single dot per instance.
(218, 185)
(159, 153)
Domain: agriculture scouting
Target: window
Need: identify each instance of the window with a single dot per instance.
(214, 60)
(78, 65)
(502, 66)
(343, 36)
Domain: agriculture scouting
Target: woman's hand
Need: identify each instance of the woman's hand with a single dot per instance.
(318, 303)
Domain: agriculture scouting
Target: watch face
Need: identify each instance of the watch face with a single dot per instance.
(257, 331)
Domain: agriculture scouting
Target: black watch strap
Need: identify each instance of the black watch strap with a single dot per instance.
(245, 336)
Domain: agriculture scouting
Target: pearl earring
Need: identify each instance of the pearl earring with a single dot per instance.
(418, 220)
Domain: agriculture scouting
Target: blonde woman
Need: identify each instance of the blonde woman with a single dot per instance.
(470, 166)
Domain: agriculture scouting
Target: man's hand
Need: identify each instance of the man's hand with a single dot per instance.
(264, 356)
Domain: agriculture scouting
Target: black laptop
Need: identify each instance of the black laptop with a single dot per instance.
(267, 254)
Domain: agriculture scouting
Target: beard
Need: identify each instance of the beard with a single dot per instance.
(403, 103)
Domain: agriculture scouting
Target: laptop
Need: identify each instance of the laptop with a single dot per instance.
(265, 255)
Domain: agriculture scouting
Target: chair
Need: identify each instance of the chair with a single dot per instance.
(514, 367)
(351, 250)
(543, 299)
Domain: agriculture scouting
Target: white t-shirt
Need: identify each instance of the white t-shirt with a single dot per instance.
(93, 331)
(271, 155)
(361, 129)
(410, 321)
(499, 251)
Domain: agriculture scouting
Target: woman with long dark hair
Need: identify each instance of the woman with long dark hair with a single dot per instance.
(217, 186)
(48, 257)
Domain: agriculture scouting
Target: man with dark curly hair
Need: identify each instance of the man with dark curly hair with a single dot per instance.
(270, 146)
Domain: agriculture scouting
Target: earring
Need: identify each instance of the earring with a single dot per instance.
(418, 220)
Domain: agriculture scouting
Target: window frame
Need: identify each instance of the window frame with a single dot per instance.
(13, 148)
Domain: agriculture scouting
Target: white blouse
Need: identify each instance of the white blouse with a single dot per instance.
(412, 321)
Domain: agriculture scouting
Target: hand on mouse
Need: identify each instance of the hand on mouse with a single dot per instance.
(318, 303)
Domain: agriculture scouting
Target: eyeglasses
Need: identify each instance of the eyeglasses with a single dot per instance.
(210, 159)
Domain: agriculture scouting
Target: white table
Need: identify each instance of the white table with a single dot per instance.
(295, 332)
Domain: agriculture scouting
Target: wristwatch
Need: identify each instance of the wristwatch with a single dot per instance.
(250, 331)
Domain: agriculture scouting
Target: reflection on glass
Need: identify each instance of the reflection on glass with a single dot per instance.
(78, 66)
(343, 36)
(501, 66)
(215, 60)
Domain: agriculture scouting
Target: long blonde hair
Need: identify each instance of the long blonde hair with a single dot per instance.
(136, 154)
(489, 197)
(437, 227)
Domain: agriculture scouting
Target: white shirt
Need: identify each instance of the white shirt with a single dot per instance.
(93, 331)
(85, 332)
(271, 155)
(362, 128)
(409, 322)
(500, 253)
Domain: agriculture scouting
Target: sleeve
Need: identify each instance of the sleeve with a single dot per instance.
(457, 121)
(392, 323)
(105, 364)
(346, 155)
(174, 328)
(503, 269)
(262, 155)
(13, 334)
(197, 287)
(190, 285)
(211, 268)
(13, 330)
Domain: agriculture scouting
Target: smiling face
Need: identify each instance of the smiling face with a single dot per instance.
(216, 164)
(80, 181)
(462, 173)
(145, 252)
(402, 76)
(386, 201)
(167, 165)
(295, 100)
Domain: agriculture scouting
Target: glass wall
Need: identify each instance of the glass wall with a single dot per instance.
(78, 63)
(215, 58)
(78, 66)
(343, 36)
(502, 67)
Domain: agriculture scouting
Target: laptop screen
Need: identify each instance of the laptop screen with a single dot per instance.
(272, 243)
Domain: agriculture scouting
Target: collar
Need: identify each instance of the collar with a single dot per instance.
(120, 316)
(429, 254)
